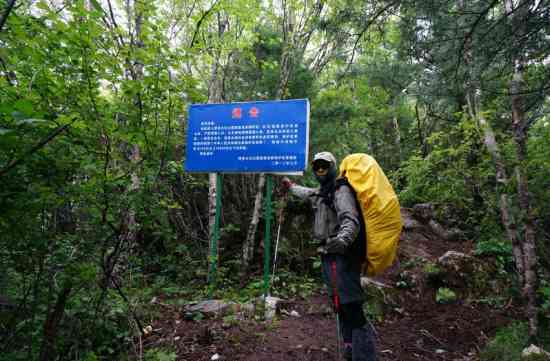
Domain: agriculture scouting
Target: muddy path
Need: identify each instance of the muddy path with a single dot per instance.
(413, 327)
(419, 330)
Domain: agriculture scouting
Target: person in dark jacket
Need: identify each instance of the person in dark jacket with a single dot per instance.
(337, 229)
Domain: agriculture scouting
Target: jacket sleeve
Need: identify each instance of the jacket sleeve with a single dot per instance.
(348, 215)
(302, 192)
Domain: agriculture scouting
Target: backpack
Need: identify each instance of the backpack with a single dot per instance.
(379, 207)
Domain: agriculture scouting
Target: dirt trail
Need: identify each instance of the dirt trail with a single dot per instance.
(415, 327)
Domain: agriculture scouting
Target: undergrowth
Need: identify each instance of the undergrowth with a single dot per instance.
(509, 342)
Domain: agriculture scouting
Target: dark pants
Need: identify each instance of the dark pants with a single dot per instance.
(342, 275)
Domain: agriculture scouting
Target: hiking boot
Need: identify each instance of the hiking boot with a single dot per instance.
(363, 344)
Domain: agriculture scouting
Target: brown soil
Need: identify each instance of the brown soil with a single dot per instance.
(417, 328)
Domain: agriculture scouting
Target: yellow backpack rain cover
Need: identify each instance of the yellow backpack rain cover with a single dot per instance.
(379, 206)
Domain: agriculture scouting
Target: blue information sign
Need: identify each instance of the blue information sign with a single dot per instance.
(268, 136)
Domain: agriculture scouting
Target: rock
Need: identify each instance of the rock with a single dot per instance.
(271, 307)
(534, 350)
(147, 330)
(471, 276)
(448, 235)
(423, 211)
(216, 357)
(245, 309)
(212, 307)
(409, 222)
(419, 223)
(456, 268)
(294, 314)
(453, 259)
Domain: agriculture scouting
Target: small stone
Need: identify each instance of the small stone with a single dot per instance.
(439, 351)
(294, 314)
(176, 338)
(147, 330)
(271, 307)
(324, 349)
(534, 350)
(215, 357)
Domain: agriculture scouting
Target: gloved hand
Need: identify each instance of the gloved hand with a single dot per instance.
(286, 183)
(336, 245)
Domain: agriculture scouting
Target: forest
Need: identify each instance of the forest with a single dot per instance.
(104, 236)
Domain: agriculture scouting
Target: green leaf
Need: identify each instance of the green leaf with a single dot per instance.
(42, 5)
(24, 106)
(96, 5)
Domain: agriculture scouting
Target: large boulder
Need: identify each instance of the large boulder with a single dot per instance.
(420, 223)
(469, 275)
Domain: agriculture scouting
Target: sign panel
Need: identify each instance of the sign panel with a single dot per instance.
(269, 136)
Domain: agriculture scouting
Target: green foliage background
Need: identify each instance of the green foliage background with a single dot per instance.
(93, 99)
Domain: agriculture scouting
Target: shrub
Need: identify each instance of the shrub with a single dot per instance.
(507, 344)
(445, 295)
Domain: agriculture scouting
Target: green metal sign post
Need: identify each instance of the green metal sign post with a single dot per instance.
(267, 236)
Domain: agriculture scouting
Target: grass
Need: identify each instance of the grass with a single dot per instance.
(510, 341)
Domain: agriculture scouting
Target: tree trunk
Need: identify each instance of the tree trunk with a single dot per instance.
(248, 246)
(473, 100)
(397, 133)
(421, 136)
(215, 95)
(134, 71)
(51, 325)
(296, 37)
(506, 215)
(520, 128)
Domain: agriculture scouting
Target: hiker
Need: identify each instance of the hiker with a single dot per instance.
(337, 228)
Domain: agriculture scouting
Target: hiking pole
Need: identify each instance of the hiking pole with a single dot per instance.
(337, 307)
(280, 215)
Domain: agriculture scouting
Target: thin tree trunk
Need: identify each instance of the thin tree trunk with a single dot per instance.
(419, 128)
(397, 133)
(520, 128)
(134, 71)
(248, 246)
(473, 100)
(51, 325)
(506, 216)
(215, 95)
(296, 37)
